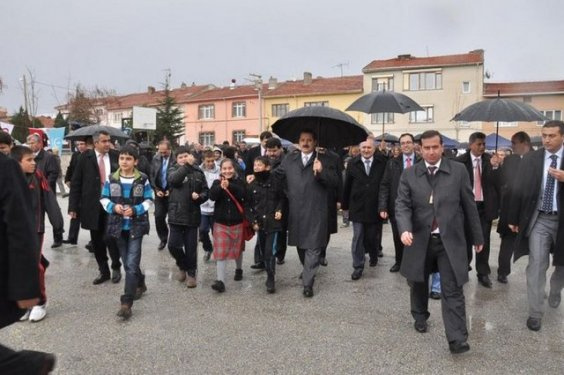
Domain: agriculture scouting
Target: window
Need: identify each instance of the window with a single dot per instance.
(426, 115)
(239, 109)
(279, 110)
(238, 136)
(316, 104)
(117, 117)
(551, 115)
(207, 138)
(378, 118)
(206, 111)
(99, 111)
(383, 83)
(425, 81)
(466, 87)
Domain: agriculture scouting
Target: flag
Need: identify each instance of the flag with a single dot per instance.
(56, 136)
(6, 127)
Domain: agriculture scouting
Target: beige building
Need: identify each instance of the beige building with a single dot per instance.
(442, 85)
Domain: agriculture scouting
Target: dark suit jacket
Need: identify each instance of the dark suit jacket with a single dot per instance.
(19, 247)
(489, 183)
(453, 204)
(360, 194)
(72, 166)
(508, 181)
(252, 154)
(155, 175)
(390, 183)
(85, 191)
(47, 163)
(523, 209)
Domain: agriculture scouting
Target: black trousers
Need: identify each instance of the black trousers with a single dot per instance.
(22, 362)
(398, 245)
(281, 244)
(505, 253)
(161, 210)
(483, 257)
(103, 245)
(183, 246)
(452, 296)
(74, 229)
(258, 256)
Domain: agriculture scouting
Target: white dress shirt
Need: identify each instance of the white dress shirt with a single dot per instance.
(547, 162)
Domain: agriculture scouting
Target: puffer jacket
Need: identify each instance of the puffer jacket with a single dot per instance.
(184, 180)
(265, 198)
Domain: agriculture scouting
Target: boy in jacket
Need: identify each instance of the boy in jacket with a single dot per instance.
(188, 191)
(43, 201)
(211, 171)
(127, 197)
(266, 201)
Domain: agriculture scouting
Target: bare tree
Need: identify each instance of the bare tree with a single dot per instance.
(85, 104)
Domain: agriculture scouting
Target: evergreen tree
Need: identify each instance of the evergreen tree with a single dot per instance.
(170, 120)
(21, 123)
(60, 122)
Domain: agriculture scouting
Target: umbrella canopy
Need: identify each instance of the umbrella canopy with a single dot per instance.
(383, 102)
(88, 131)
(498, 109)
(387, 138)
(334, 128)
(447, 142)
(501, 141)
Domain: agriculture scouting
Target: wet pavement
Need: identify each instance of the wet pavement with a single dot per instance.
(348, 327)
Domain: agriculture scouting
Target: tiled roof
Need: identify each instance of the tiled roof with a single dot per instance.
(408, 61)
(220, 93)
(523, 88)
(334, 85)
(180, 95)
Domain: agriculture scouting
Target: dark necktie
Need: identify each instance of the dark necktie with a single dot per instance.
(163, 173)
(548, 196)
(367, 167)
(432, 170)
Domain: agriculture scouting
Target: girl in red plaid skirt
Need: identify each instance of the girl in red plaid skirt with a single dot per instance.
(228, 242)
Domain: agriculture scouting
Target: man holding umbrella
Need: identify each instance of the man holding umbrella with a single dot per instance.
(308, 177)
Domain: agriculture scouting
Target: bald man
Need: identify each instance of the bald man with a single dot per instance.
(362, 181)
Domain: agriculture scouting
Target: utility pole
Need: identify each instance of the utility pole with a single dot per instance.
(340, 66)
(257, 80)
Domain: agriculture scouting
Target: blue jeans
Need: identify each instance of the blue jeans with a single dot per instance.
(130, 252)
(206, 224)
(436, 282)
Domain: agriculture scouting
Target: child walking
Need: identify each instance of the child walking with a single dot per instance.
(211, 171)
(127, 197)
(228, 193)
(188, 191)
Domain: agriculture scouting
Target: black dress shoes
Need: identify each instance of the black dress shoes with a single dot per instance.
(116, 276)
(485, 281)
(502, 279)
(280, 261)
(323, 262)
(554, 299)
(57, 244)
(89, 247)
(218, 286)
(162, 245)
(103, 277)
(373, 262)
(420, 326)
(435, 295)
(357, 274)
(308, 291)
(534, 324)
(69, 242)
(258, 266)
(458, 347)
(380, 254)
(395, 268)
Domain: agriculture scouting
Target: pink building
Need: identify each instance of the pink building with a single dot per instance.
(222, 114)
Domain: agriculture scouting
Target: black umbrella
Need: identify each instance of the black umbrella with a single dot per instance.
(88, 131)
(497, 110)
(334, 128)
(387, 138)
(384, 102)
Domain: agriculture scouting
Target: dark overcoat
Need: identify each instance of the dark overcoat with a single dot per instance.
(452, 205)
(508, 182)
(524, 205)
(308, 196)
(360, 194)
(19, 247)
(86, 188)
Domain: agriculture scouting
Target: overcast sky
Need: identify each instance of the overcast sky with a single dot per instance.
(126, 45)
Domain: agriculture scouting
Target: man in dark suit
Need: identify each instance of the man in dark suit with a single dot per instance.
(74, 228)
(434, 200)
(160, 167)
(508, 181)
(483, 180)
(308, 176)
(92, 170)
(389, 190)
(360, 197)
(536, 215)
(19, 267)
(47, 164)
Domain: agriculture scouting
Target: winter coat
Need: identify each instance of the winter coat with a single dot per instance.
(225, 211)
(43, 201)
(183, 180)
(265, 198)
(47, 163)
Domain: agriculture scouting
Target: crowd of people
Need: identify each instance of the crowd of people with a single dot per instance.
(441, 207)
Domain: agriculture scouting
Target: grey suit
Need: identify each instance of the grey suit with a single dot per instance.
(452, 205)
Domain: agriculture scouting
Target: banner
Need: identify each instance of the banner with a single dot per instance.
(56, 136)
(6, 127)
